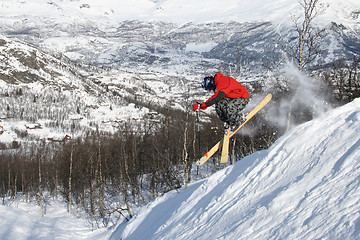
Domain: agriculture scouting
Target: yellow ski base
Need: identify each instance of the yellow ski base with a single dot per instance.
(225, 148)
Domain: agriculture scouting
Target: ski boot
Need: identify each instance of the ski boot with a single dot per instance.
(226, 126)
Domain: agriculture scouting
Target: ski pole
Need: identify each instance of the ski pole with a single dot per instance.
(198, 133)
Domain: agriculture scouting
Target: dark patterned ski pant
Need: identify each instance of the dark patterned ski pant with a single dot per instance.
(229, 110)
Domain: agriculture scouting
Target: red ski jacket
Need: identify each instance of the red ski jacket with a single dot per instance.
(226, 87)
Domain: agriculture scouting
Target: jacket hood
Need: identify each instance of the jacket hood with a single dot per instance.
(217, 76)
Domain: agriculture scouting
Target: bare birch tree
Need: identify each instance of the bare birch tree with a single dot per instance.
(308, 44)
(40, 190)
(70, 179)
(186, 161)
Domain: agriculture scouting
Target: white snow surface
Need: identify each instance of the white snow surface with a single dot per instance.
(306, 186)
(23, 222)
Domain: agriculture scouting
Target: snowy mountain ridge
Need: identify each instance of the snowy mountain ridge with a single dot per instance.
(306, 186)
(156, 35)
(183, 11)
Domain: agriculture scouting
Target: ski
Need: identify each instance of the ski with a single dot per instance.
(225, 148)
(218, 145)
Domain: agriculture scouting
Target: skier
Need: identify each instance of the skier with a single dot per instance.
(230, 98)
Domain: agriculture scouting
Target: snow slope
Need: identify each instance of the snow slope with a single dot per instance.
(306, 186)
(24, 223)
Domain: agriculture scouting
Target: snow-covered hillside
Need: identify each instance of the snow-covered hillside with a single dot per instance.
(306, 186)
(81, 96)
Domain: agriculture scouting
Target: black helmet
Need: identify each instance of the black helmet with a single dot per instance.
(209, 83)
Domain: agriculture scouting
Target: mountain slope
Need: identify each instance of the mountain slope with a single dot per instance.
(306, 186)
(68, 98)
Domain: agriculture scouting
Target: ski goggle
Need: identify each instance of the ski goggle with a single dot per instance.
(208, 83)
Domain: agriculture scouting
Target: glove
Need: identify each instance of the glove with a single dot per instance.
(203, 106)
(197, 106)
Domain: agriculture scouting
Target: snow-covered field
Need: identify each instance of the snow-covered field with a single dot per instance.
(24, 222)
(306, 186)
